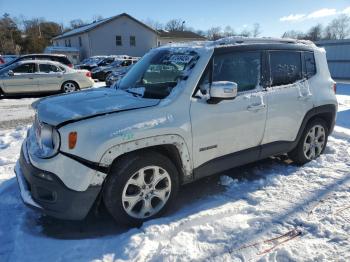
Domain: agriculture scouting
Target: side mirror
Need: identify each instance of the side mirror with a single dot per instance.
(10, 73)
(222, 90)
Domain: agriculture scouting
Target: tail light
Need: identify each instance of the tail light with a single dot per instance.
(70, 65)
(335, 88)
(88, 74)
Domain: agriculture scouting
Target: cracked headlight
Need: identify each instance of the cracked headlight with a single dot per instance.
(46, 142)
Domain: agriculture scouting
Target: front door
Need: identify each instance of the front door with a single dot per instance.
(229, 133)
(22, 81)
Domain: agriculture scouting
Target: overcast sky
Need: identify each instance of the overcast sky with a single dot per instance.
(274, 16)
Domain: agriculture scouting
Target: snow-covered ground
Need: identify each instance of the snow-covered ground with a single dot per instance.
(266, 211)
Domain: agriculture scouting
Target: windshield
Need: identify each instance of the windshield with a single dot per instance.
(158, 72)
(8, 68)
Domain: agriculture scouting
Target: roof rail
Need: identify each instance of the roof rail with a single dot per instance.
(258, 40)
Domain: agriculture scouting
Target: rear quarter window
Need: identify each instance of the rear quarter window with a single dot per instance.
(310, 64)
(285, 67)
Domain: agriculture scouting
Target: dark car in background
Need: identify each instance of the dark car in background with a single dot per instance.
(94, 62)
(63, 59)
(101, 72)
(116, 75)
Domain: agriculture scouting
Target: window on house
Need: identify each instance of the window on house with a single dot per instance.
(69, 43)
(80, 41)
(158, 43)
(285, 67)
(132, 40)
(65, 43)
(118, 40)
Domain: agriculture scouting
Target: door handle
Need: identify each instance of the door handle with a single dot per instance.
(256, 107)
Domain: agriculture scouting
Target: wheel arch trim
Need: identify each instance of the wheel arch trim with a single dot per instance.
(176, 141)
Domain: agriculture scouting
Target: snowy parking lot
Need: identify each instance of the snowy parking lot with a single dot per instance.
(267, 211)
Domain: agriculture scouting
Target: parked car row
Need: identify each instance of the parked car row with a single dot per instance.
(46, 73)
(42, 76)
(102, 66)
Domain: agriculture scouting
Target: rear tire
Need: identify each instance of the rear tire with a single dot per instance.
(2, 94)
(312, 142)
(139, 187)
(69, 87)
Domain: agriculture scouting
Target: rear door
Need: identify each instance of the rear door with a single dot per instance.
(49, 77)
(23, 81)
(288, 98)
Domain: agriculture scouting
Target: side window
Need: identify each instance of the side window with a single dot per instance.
(132, 40)
(118, 40)
(310, 65)
(24, 69)
(244, 68)
(285, 67)
(47, 68)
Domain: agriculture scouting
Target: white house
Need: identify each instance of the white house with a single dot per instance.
(117, 35)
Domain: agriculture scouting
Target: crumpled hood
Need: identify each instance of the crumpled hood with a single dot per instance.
(88, 103)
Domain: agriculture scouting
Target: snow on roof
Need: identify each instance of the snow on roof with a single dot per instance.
(238, 40)
(60, 48)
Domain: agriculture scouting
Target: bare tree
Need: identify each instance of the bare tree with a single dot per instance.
(256, 30)
(294, 34)
(214, 33)
(246, 33)
(338, 28)
(97, 18)
(315, 33)
(153, 23)
(75, 23)
(175, 25)
(228, 31)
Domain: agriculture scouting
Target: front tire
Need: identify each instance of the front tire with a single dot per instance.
(312, 142)
(140, 187)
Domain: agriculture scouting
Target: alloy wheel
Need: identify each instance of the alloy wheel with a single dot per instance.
(314, 142)
(146, 192)
(69, 87)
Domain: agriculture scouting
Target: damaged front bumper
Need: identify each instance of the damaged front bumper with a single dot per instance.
(44, 191)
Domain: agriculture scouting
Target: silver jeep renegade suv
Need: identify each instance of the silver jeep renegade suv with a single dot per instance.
(181, 113)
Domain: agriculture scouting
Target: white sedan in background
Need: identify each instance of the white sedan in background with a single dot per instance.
(42, 76)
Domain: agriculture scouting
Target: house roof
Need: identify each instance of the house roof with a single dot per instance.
(180, 34)
(161, 33)
(89, 27)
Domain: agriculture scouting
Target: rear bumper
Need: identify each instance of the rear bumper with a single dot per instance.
(52, 197)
